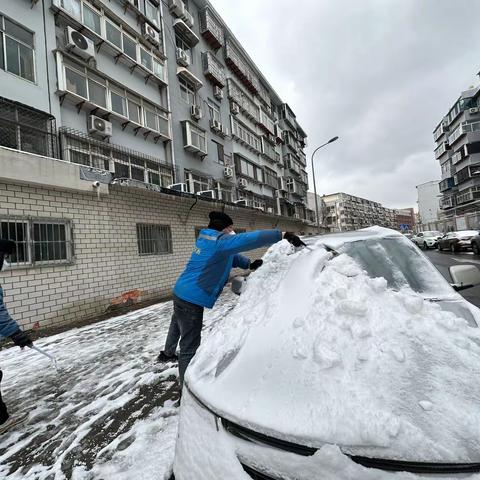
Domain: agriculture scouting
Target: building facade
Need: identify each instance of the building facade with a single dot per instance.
(405, 219)
(122, 123)
(346, 212)
(457, 148)
(428, 195)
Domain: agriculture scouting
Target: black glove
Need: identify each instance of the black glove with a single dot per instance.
(21, 339)
(294, 239)
(256, 264)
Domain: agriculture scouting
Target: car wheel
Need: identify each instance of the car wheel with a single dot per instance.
(425, 246)
(475, 249)
(452, 248)
(439, 247)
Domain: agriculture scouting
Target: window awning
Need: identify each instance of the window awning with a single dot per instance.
(187, 34)
(189, 77)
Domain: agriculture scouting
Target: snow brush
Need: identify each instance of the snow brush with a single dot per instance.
(46, 354)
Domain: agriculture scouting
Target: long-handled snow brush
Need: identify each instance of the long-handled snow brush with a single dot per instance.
(46, 354)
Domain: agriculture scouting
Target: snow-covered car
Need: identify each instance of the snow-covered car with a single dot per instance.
(350, 359)
(427, 239)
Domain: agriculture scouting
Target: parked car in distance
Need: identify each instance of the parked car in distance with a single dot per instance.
(457, 241)
(427, 239)
(408, 235)
(476, 244)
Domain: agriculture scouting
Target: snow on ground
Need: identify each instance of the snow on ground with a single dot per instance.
(318, 353)
(110, 412)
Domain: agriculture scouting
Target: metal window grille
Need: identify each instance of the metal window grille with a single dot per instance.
(154, 239)
(26, 129)
(79, 148)
(38, 242)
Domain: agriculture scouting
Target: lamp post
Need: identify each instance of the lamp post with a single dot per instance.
(314, 184)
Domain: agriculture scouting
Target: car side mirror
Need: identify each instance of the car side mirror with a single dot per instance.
(464, 276)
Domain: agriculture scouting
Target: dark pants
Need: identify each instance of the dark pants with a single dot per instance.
(186, 326)
(3, 408)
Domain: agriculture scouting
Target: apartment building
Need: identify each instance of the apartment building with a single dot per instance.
(345, 212)
(122, 123)
(405, 219)
(457, 149)
(428, 196)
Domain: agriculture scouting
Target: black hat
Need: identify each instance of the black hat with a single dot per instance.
(219, 221)
(7, 247)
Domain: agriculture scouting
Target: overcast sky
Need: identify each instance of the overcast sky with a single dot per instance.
(378, 73)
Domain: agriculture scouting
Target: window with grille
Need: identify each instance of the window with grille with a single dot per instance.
(38, 241)
(154, 239)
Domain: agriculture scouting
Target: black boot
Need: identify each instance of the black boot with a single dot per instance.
(164, 358)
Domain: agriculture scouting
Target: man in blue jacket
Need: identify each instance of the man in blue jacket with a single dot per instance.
(9, 328)
(216, 252)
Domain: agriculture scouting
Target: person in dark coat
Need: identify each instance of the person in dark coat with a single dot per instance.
(216, 252)
(9, 328)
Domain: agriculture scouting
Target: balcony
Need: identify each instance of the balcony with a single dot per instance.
(266, 122)
(211, 29)
(446, 184)
(447, 202)
(27, 129)
(243, 100)
(441, 130)
(289, 117)
(268, 150)
(234, 59)
(213, 70)
(443, 148)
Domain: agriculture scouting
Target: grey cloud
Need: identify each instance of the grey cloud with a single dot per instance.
(378, 73)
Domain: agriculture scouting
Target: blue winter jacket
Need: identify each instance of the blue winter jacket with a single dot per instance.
(215, 254)
(7, 324)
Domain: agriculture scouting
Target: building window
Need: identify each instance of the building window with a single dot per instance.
(241, 133)
(17, 49)
(271, 177)
(195, 138)
(103, 93)
(214, 112)
(92, 19)
(180, 43)
(151, 12)
(154, 239)
(38, 242)
(248, 169)
(220, 157)
(187, 91)
(196, 183)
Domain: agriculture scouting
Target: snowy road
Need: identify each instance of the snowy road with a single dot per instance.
(110, 412)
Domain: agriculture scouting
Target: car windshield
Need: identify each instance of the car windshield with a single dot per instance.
(400, 263)
(432, 234)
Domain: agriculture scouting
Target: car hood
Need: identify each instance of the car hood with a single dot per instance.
(316, 352)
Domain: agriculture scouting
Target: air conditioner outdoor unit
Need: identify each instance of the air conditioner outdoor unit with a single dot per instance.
(270, 210)
(178, 187)
(188, 18)
(206, 193)
(99, 126)
(177, 8)
(196, 112)
(473, 110)
(150, 34)
(79, 44)
(242, 183)
(215, 125)
(234, 108)
(183, 58)
(296, 215)
(217, 92)
(244, 203)
(228, 172)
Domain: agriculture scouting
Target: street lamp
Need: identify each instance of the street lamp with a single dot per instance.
(314, 184)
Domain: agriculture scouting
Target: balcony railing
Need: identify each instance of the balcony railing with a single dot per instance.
(448, 202)
(441, 130)
(239, 66)
(211, 29)
(213, 70)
